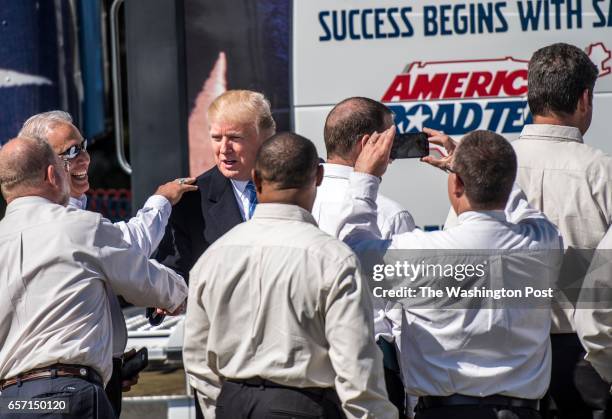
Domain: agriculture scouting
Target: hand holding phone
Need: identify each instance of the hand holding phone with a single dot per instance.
(134, 364)
(440, 139)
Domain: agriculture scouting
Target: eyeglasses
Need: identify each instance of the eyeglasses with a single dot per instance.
(74, 151)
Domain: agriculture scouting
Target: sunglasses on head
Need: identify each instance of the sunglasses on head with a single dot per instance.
(74, 151)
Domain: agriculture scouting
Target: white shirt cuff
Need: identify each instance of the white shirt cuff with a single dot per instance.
(160, 203)
(364, 186)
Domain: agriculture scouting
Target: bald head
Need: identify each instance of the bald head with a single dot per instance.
(29, 167)
(349, 121)
(287, 170)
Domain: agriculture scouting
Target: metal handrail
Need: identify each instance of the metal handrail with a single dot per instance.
(117, 94)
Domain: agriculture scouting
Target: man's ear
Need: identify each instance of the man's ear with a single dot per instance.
(51, 175)
(362, 143)
(458, 188)
(256, 180)
(584, 103)
(320, 172)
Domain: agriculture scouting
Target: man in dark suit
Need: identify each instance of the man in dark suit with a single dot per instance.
(240, 120)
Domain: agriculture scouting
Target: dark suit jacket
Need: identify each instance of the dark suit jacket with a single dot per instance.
(200, 218)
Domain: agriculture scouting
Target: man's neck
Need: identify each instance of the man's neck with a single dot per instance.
(554, 119)
(466, 207)
(341, 161)
(285, 196)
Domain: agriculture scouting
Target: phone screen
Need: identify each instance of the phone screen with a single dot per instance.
(410, 145)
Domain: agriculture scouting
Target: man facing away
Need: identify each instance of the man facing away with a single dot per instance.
(60, 265)
(570, 182)
(279, 320)
(346, 126)
(465, 363)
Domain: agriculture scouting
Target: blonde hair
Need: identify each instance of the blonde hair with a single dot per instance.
(244, 107)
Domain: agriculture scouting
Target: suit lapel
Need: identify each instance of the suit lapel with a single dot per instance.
(221, 205)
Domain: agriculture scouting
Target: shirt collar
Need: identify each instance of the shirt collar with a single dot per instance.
(19, 203)
(239, 185)
(470, 216)
(336, 170)
(80, 202)
(550, 132)
(283, 212)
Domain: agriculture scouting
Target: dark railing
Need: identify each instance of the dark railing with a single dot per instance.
(114, 204)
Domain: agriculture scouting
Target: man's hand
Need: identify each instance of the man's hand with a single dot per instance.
(439, 138)
(179, 310)
(126, 385)
(374, 156)
(128, 382)
(173, 191)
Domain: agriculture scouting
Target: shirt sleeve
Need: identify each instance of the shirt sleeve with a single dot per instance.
(593, 317)
(145, 230)
(401, 222)
(195, 359)
(354, 355)
(600, 182)
(358, 226)
(131, 274)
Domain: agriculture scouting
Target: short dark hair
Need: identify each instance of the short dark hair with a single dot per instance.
(288, 160)
(349, 121)
(486, 163)
(558, 75)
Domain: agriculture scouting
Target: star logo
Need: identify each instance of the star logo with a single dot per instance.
(417, 119)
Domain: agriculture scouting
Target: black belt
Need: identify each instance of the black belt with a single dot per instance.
(260, 382)
(53, 371)
(427, 402)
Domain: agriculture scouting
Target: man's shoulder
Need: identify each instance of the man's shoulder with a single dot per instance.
(53, 216)
(212, 174)
(600, 163)
(301, 236)
(191, 202)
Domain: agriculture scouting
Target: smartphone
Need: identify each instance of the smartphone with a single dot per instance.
(135, 363)
(410, 145)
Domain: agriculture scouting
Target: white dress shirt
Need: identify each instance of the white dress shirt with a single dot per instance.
(594, 321)
(391, 219)
(465, 351)
(278, 298)
(59, 266)
(242, 197)
(143, 232)
(570, 182)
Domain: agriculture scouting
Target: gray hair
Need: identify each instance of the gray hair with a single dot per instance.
(23, 162)
(39, 125)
